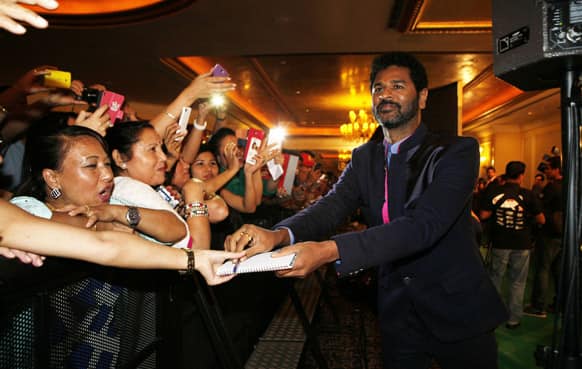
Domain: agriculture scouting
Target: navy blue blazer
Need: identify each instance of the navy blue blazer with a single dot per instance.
(427, 255)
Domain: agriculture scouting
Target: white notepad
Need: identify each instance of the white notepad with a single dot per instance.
(258, 263)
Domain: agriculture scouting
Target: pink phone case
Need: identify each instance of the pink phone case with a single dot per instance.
(115, 102)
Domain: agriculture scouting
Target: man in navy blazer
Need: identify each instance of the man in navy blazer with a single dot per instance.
(435, 298)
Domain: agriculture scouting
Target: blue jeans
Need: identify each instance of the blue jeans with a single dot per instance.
(518, 261)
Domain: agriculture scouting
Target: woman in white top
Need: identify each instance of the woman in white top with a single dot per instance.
(139, 164)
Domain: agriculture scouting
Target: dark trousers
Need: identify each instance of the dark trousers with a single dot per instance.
(414, 347)
(547, 266)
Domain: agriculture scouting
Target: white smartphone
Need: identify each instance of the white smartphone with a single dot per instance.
(184, 118)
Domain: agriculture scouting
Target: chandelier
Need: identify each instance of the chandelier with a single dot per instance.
(359, 129)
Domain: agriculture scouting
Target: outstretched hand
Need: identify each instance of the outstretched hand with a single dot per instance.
(11, 12)
(205, 85)
(257, 239)
(308, 257)
(208, 262)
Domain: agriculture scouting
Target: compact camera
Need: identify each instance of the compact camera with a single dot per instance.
(97, 98)
(91, 96)
(57, 79)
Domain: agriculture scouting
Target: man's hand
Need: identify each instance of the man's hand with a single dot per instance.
(10, 12)
(309, 256)
(256, 238)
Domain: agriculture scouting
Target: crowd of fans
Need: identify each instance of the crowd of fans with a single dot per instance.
(132, 193)
(66, 160)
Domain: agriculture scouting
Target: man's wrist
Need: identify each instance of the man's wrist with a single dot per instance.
(330, 251)
(282, 237)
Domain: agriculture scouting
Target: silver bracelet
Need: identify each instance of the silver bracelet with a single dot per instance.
(200, 127)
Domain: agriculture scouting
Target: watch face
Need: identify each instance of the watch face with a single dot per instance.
(132, 216)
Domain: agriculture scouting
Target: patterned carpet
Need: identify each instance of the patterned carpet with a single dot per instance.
(354, 342)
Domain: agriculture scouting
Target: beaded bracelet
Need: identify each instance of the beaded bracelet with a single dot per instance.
(196, 209)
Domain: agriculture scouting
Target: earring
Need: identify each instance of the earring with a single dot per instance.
(123, 166)
(55, 193)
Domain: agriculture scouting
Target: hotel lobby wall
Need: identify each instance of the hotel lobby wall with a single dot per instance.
(527, 143)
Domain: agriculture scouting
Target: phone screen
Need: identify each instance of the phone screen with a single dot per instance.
(219, 71)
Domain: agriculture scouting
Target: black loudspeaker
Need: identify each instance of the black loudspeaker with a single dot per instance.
(536, 41)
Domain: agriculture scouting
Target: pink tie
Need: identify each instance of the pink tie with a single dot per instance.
(385, 215)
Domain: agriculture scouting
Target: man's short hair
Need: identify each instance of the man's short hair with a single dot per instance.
(400, 59)
(514, 169)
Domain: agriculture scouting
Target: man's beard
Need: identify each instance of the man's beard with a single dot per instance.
(401, 116)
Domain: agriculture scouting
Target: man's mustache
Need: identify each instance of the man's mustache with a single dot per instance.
(382, 104)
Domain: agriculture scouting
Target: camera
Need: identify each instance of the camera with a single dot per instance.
(92, 96)
(241, 143)
(57, 79)
(96, 98)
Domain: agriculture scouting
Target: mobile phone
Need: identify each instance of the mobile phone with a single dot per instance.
(219, 71)
(91, 96)
(167, 195)
(115, 102)
(184, 118)
(241, 143)
(275, 170)
(58, 79)
(255, 138)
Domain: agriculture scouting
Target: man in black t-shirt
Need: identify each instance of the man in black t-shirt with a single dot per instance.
(512, 209)
(548, 251)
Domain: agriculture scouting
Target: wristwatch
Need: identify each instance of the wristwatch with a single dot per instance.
(132, 216)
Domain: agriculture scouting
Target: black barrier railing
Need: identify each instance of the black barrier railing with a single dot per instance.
(70, 314)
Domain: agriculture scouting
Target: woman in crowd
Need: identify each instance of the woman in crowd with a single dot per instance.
(139, 163)
(69, 169)
(204, 169)
(244, 191)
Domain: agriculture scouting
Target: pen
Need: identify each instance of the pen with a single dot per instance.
(234, 268)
